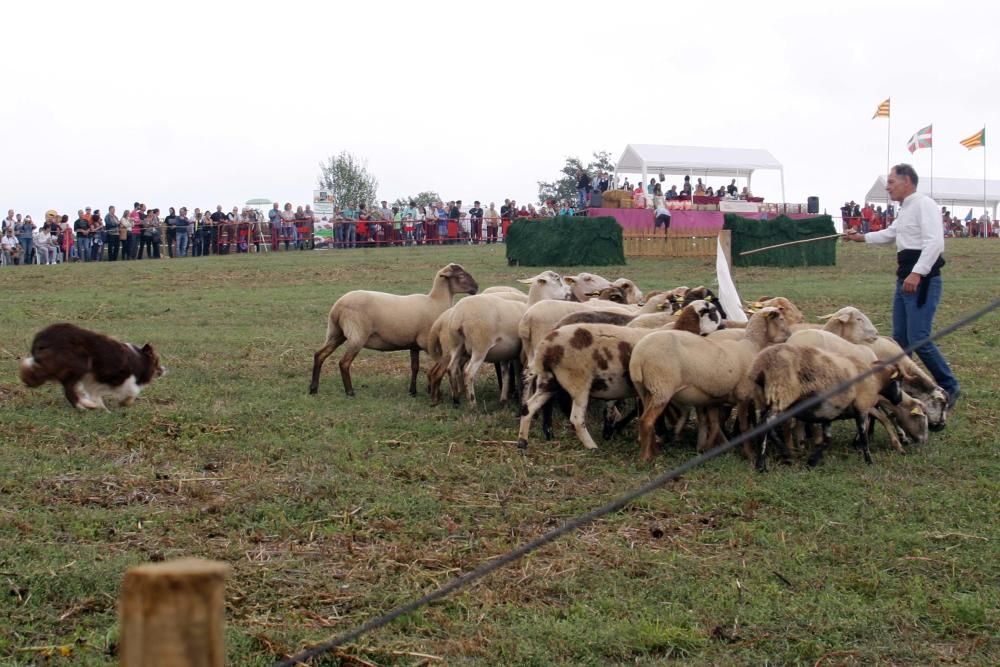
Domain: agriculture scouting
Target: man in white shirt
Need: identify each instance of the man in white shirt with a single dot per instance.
(919, 235)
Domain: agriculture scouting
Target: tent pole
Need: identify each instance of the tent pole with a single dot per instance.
(784, 204)
(645, 171)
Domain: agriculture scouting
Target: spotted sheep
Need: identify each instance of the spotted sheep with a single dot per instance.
(592, 360)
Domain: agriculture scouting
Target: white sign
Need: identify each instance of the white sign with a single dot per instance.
(323, 202)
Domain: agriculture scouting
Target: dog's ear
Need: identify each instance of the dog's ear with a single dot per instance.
(147, 349)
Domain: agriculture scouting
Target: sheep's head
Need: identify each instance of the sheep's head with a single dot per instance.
(851, 324)
(935, 404)
(459, 280)
(791, 312)
(701, 317)
(771, 324)
(548, 285)
(891, 380)
(910, 415)
(632, 292)
(613, 294)
(658, 302)
(582, 283)
(705, 294)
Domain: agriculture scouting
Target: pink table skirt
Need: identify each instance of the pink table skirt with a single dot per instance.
(638, 219)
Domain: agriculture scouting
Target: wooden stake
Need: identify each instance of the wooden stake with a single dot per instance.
(782, 245)
(171, 614)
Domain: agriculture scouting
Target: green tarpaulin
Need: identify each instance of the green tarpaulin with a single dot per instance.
(565, 241)
(751, 234)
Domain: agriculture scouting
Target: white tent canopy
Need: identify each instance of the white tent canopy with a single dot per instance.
(697, 161)
(948, 191)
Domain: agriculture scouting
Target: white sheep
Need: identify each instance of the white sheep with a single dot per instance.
(787, 374)
(592, 360)
(585, 283)
(388, 322)
(698, 371)
(483, 329)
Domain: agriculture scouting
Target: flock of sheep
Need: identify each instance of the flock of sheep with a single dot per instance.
(581, 337)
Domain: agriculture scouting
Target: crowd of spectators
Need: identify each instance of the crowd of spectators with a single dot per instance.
(872, 219)
(141, 232)
(590, 190)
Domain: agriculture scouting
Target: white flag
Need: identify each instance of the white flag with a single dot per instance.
(728, 296)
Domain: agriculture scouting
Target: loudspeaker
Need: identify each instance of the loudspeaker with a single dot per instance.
(813, 204)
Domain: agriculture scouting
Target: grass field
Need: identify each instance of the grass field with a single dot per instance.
(331, 509)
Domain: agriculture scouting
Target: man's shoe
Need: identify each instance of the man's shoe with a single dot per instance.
(953, 399)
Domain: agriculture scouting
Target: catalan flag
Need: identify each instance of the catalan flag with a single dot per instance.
(883, 110)
(976, 140)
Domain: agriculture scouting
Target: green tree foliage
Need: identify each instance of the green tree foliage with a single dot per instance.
(564, 188)
(425, 198)
(348, 178)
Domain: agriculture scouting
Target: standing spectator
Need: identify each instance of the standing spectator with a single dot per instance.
(603, 182)
(26, 235)
(582, 187)
(171, 222)
(454, 215)
(181, 224)
(124, 235)
(9, 222)
(686, 187)
(274, 221)
(442, 226)
(430, 224)
(135, 217)
(476, 217)
(351, 216)
(81, 227)
(492, 222)
(731, 189)
(287, 224)
(651, 188)
(111, 230)
(218, 229)
(198, 224)
(97, 236)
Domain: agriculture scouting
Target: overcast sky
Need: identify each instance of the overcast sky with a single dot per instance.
(204, 103)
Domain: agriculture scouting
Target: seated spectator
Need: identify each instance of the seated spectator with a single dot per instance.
(10, 247)
(709, 192)
(699, 189)
(671, 193)
(686, 188)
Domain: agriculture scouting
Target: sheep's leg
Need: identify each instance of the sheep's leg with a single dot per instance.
(499, 370)
(414, 369)
(434, 377)
(578, 418)
(332, 343)
(647, 427)
(528, 410)
(547, 420)
(861, 422)
(817, 455)
(890, 428)
(471, 368)
(350, 351)
(455, 374)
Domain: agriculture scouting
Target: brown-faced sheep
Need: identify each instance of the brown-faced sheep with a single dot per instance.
(388, 322)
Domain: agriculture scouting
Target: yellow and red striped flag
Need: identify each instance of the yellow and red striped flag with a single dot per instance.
(883, 110)
(976, 140)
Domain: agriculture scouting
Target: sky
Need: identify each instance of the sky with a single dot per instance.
(205, 103)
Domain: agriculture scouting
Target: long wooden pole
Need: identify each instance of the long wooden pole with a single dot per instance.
(782, 245)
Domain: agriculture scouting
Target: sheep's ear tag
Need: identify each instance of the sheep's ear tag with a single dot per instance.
(756, 304)
(591, 293)
(895, 374)
(708, 297)
(916, 412)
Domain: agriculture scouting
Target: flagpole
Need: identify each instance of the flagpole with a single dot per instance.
(932, 164)
(888, 136)
(984, 177)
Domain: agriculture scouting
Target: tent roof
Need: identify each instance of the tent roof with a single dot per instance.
(699, 160)
(954, 191)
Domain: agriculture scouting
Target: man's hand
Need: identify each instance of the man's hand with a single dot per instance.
(911, 283)
(854, 236)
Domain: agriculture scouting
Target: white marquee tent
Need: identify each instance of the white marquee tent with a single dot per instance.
(953, 192)
(697, 161)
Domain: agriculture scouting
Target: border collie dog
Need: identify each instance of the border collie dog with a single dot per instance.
(90, 366)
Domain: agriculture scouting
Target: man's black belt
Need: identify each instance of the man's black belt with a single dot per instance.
(906, 260)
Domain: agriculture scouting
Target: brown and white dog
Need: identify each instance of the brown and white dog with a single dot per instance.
(90, 366)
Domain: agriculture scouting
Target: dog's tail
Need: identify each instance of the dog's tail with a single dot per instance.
(32, 374)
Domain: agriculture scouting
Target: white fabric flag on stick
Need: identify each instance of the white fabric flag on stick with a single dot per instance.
(728, 296)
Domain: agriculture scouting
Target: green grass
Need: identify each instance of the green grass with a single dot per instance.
(331, 510)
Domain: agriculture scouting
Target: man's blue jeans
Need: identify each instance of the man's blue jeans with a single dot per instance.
(83, 244)
(581, 197)
(182, 243)
(912, 323)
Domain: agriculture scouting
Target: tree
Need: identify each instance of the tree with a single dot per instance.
(348, 178)
(425, 198)
(564, 189)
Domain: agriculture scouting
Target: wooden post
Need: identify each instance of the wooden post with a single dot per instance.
(171, 614)
(726, 239)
